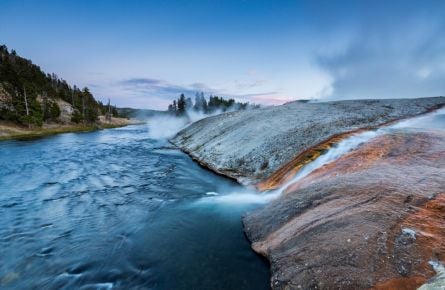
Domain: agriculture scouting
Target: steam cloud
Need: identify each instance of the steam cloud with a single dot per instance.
(389, 59)
(166, 126)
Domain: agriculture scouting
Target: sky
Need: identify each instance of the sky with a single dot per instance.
(143, 54)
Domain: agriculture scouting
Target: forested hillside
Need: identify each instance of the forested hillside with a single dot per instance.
(30, 97)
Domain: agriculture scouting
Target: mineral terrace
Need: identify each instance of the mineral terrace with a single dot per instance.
(374, 218)
(252, 145)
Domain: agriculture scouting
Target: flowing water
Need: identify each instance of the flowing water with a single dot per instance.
(117, 209)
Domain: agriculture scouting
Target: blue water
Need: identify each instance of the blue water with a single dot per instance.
(114, 209)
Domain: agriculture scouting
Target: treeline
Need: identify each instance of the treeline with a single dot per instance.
(28, 96)
(201, 104)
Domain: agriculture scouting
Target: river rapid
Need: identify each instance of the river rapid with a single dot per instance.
(116, 209)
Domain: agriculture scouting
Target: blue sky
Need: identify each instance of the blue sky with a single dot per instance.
(145, 53)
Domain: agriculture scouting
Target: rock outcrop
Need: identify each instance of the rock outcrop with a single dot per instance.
(374, 218)
(252, 145)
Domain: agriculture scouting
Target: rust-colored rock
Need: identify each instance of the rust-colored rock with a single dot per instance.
(372, 219)
(429, 223)
(288, 170)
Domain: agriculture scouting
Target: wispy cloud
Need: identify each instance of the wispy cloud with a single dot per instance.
(141, 82)
(159, 88)
(268, 98)
(162, 87)
(388, 60)
(250, 84)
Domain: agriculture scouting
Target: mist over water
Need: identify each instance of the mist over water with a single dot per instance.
(166, 126)
(118, 209)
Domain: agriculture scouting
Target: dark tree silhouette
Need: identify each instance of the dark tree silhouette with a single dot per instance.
(214, 104)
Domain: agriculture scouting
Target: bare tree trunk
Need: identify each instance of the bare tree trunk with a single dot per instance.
(109, 112)
(83, 109)
(26, 105)
(26, 102)
(44, 97)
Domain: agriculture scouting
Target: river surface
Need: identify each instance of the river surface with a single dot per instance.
(114, 209)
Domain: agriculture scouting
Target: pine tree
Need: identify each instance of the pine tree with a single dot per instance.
(181, 104)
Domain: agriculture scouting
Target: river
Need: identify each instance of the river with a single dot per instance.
(115, 209)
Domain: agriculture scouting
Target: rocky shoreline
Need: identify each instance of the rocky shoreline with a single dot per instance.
(353, 224)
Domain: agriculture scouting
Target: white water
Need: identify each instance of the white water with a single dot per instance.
(246, 197)
(345, 146)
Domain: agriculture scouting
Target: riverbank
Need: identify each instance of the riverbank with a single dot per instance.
(13, 131)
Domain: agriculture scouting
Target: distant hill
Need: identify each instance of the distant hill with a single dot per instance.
(31, 97)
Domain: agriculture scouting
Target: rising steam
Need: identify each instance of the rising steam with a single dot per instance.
(167, 126)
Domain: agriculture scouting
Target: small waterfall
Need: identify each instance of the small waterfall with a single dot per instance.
(345, 146)
(246, 196)
(340, 149)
